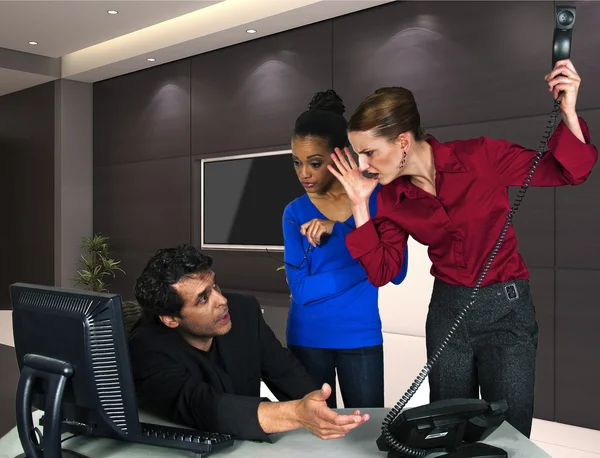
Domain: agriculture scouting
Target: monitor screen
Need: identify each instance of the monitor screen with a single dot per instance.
(243, 198)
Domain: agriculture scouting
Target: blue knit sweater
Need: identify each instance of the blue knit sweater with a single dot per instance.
(333, 303)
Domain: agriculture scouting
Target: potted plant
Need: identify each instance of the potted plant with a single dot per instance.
(97, 264)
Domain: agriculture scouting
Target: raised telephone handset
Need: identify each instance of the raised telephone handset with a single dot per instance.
(455, 425)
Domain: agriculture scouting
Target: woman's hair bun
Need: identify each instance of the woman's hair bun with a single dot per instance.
(327, 101)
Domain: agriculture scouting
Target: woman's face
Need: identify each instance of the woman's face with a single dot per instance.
(311, 155)
(379, 156)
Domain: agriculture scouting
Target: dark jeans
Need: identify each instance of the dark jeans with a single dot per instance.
(360, 373)
(494, 348)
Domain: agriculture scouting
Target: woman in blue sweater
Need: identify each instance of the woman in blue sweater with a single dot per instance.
(334, 321)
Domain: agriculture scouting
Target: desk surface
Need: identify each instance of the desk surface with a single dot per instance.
(359, 443)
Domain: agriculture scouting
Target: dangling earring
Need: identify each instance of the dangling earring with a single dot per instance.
(403, 161)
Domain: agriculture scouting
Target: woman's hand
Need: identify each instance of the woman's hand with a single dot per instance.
(358, 187)
(315, 228)
(564, 78)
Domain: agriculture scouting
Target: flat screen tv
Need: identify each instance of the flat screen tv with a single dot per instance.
(243, 198)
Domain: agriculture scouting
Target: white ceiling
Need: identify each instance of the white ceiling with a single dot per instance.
(94, 45)
(13, 80)
(62, 27)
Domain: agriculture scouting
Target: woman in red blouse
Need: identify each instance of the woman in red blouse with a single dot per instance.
(453, 197)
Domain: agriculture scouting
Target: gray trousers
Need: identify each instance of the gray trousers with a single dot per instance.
(494, 349)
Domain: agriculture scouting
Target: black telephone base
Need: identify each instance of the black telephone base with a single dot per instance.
(472, 450)
(394, 454)
(476, 450)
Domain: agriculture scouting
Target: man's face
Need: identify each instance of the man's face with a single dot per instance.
(205, 313)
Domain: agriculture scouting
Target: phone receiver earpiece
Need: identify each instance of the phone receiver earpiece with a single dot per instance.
(563, 33)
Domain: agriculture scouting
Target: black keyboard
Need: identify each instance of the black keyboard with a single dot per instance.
(183, 439)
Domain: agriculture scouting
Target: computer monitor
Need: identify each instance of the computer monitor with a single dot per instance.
(72, 351)
(86, 331)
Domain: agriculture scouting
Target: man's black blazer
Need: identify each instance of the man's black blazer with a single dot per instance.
(185, 385)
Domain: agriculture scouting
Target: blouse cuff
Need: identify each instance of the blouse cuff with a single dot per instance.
(362, 240)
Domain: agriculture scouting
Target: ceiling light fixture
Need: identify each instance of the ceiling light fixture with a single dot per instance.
(251, 31)
(112, 12)
(33, 42)
(151, 59)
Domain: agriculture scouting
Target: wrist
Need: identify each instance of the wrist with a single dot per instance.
(277, 417)
(361, 203)
(293, 414)
(570, 116)
(361, 213)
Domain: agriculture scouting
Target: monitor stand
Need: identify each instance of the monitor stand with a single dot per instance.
(55, 373)
(63, 453)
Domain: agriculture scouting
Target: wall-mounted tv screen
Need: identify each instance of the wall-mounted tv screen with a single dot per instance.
(243, 198)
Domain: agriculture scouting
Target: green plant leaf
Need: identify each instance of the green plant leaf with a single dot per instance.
(96, 263)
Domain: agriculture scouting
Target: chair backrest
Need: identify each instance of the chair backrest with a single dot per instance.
(131, 314)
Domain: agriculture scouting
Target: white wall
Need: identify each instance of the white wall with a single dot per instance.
(403, 311)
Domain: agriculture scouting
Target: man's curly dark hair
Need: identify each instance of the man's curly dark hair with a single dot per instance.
(153, 289)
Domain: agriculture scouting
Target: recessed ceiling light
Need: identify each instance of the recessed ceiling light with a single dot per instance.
(33, 42)
(251, 31)
(112, 12)
(151, 59)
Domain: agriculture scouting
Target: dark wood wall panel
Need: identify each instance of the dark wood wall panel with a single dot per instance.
(252, 271)
(276, 317)
(542, 288)
(27, 160)
(534, 222)
(249, 95)
(6, 206)
(254, 108)
(9, 379)
(586, 42)
(578, 213)
(578, 341)
(143, 115)
(142, 207)
(431, 49)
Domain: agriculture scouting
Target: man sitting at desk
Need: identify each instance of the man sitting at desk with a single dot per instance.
(198, 357)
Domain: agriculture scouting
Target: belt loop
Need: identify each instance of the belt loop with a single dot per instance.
(511, 292)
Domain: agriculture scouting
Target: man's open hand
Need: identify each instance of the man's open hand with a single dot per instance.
(320, 420)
